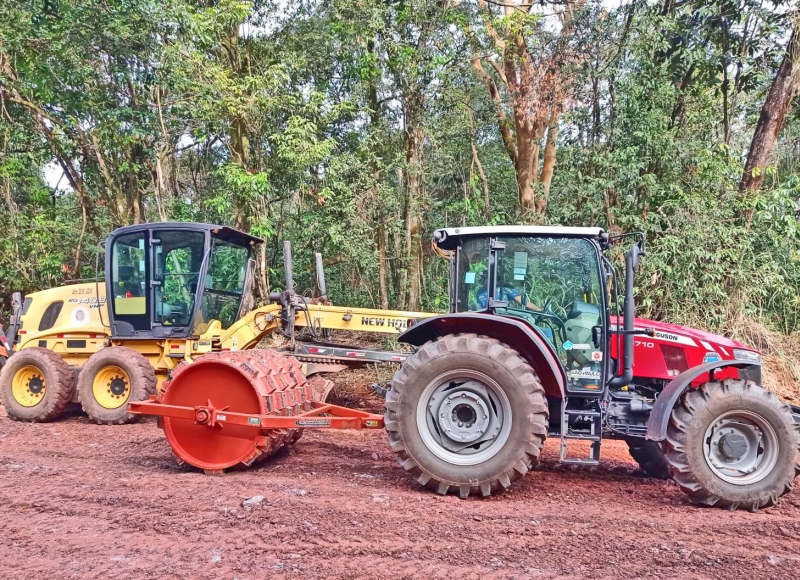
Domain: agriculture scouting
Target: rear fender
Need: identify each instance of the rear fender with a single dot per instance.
(662, 408)
(531, 345)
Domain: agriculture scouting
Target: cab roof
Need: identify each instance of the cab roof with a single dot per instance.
(449, 238)
(231, 235)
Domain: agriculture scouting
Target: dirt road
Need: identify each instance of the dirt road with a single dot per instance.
(85, 501)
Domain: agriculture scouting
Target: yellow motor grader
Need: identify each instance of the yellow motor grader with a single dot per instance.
(172, 292)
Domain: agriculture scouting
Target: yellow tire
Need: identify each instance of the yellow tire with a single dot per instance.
(36, 385)
(112, 378)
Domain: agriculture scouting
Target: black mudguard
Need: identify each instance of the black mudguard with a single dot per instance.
(662, 408)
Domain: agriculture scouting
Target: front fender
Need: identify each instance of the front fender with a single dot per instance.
(662, 408)
(531, 345)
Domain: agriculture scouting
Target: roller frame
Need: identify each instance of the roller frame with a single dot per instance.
(342, 417)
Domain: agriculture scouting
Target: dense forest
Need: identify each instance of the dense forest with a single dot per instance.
(356, 127)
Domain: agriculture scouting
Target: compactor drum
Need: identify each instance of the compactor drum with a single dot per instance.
(256, 383)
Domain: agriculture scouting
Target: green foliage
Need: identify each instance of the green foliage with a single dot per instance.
(291, 121)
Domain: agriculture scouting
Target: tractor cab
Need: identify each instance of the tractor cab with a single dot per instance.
(550, 278)
(170, 280)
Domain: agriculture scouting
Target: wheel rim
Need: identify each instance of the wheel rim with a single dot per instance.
(28, 386)
(111, 387)
(741, 447)
(464, 417)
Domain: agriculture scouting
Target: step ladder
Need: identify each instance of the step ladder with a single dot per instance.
(595, 435)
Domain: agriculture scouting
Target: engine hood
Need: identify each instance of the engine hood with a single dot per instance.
(684, 334)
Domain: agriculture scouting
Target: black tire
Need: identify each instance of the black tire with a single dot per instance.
(649, 456)
(59, 386)
(142, 384)
(685, 446)
(505, 370)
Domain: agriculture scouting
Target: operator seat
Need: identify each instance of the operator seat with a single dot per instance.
(581, 318)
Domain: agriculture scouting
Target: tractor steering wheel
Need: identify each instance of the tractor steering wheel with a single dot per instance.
(548, 314)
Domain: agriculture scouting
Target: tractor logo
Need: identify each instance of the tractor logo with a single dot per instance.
(568, 345)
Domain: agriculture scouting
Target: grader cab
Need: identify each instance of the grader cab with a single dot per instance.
(171, 282)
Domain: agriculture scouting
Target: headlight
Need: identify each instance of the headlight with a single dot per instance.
(746, 355)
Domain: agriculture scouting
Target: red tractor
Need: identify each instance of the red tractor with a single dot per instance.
(530, 349)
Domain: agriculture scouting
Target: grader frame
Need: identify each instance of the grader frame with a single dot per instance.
(80, 322)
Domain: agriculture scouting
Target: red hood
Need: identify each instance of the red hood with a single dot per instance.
(685, 331)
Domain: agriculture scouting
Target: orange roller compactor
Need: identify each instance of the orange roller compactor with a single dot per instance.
(255, 403)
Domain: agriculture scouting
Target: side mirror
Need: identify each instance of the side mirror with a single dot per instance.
(597, 336)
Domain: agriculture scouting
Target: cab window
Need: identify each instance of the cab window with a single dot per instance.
(554, 284)
(224, 284)
(177, 258)
(129, 271)
(472, 276)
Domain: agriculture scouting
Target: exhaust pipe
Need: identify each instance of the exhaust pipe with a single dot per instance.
(322, 287)
(287, 264)
(286, 296)
(632, 257)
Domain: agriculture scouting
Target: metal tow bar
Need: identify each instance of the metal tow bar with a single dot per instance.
(339, 417)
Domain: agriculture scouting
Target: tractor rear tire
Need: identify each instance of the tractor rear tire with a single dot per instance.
(474, 389)
(112, 378)
(733, 444)
(36, 385)
(649, 456)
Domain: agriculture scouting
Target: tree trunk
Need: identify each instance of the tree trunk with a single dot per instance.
(414, 144)
(784, 88)
(549, 163)
(383, 241)
(527, 157)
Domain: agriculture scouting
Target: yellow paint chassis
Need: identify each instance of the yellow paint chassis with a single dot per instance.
(73, 322)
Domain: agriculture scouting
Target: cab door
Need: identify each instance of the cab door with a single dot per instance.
(128, 284)
(177, 268)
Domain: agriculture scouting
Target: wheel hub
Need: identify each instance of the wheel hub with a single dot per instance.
(463, 416)
(733, 445)
(464, 419)
(741, 447)
(28, 386)
(36, 385)
(111, 387)
(117, 386)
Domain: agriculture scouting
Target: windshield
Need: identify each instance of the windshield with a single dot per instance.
(224, 284)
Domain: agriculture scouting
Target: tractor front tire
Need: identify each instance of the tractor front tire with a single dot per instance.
(466, 414)
(733, 444)
(36, 385)
(649, 456)
(112, 378)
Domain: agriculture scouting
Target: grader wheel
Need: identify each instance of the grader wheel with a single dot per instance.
(35, 385)
(112, 378)
(253, 382)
